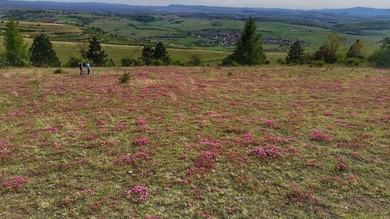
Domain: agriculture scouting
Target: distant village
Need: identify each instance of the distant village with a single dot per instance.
(230, 37)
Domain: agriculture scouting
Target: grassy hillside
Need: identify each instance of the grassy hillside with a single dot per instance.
(177, 142)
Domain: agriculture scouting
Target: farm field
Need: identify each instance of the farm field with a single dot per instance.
(65, 50)
(195, 142)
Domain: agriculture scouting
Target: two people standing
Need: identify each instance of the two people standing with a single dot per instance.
(81, 68)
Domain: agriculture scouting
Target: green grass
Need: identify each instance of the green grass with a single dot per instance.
(186, 137)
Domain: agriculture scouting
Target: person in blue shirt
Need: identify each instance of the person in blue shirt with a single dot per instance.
(88, 67)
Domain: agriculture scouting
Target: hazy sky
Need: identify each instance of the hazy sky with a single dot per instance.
(294, 4)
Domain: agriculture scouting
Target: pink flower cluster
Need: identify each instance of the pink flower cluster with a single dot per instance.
(141, 121)
(122, 125)
(317, 135)
(206, 160)
(131, 159)
(269, 122)
(140, 141)
(341, 165)
(302, 196)
(332, 179)
(273, 139)
(15, 183)
(141, 193)
(236, 158)
(266, 152)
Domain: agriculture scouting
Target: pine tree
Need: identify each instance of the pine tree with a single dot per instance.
(95, 52)
(296, 54)
(16, 53)
(248, 49)
(160, 53)
(147, 55)
(357, 50)
(42, 52)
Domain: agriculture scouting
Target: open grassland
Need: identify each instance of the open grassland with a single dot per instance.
(176, 142)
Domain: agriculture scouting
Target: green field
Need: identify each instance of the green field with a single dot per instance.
(195, 142)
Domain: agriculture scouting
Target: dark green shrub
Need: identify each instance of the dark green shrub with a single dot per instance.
(73, 62)
(125, 78)
(58, 71)
(126, 62)
(195, 60)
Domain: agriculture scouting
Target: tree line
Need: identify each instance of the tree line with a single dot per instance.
(248, 51)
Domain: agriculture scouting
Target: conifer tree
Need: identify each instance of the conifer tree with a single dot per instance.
(357, 50)
(42, 52)
(95, 52)
(160, 53)
(16, 53)
(296, 54)
(249, 50)
(147, 55)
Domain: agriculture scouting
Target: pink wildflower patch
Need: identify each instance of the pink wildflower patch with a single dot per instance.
(314, 163)
(138, 193)
(354, 180)
(53, 129)
(236, 158)
(273, 139)
(268, 151)
(133, 158)
(246, 139)
(141, 121)
(341, 166)
(91, 137)
(332, 179)
(292, 150)
(196, 170)
(303, 196)
(205, 160)
(140, 141)
(269, 122)
(317, 135)
(121, 126)
(206, 214)
(84, 192)
(15, 183)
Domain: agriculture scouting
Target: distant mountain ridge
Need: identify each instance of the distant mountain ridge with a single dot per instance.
(123, 8)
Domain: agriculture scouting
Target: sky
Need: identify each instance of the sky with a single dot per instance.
(290, 4)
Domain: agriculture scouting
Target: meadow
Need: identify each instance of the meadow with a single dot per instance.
(195, 142)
